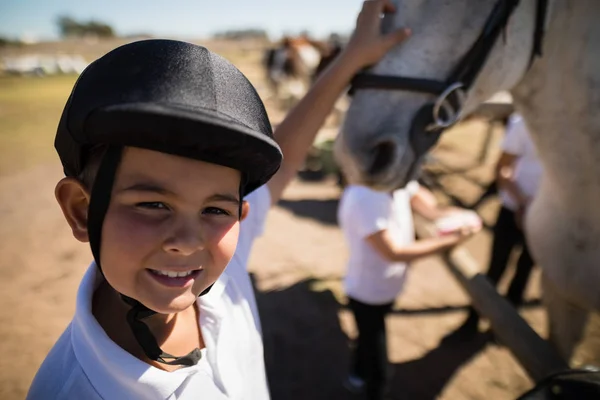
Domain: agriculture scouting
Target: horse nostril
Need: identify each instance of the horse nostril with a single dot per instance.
(383, 155)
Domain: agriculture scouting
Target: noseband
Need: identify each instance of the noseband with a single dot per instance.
(451, 93)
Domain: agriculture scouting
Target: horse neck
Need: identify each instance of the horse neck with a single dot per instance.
(509, 59)
(559, 99)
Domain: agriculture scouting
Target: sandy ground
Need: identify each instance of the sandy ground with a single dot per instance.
(297, 267)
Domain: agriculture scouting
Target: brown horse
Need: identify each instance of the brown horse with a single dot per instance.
(293, 64)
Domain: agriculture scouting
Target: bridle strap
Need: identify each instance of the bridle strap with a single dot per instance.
(540, 28)
(451, 94)
(471, 63)
(371, 81)
(469, 66)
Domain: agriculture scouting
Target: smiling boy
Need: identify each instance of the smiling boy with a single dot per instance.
(166, 148)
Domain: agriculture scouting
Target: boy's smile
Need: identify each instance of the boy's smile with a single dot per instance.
(182, 277)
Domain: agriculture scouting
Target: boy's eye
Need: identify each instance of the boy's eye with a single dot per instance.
(152, 205)
(215, 211)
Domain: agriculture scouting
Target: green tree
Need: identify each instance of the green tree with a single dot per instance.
(70, 27)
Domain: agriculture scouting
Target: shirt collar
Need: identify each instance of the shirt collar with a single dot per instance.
(112, 371)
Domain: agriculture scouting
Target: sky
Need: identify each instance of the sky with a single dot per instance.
(36, 19)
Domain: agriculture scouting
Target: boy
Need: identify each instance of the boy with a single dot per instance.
(518, 174)
(379, 231)
(166, 148)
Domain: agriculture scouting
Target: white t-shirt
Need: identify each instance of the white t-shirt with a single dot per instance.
(86, 364)
(362, 212)
(528, 170)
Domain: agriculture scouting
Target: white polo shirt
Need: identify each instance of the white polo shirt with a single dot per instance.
(528, 170)
(86, 364)
(362, 212)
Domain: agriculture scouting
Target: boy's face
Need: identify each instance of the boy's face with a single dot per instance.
(169, 215)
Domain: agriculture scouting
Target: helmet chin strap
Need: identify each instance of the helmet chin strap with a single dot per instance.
(146, 339)
(99, 202)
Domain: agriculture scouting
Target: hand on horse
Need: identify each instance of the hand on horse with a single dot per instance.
(367, 44)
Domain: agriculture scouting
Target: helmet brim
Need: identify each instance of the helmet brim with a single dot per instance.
(200, 134)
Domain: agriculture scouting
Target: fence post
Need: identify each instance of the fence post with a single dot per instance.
(534, 354)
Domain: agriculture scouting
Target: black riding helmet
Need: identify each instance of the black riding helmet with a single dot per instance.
(173, 97)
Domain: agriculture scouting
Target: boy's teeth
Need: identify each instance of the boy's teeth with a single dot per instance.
(173, 274)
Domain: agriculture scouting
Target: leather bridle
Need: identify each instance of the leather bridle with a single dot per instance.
(445, 111)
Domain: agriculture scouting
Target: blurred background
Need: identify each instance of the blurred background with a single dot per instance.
(297, 266)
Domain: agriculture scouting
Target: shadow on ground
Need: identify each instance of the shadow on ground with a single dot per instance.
(455, 308)
(307, 352)
(426, 377)
(323, 211)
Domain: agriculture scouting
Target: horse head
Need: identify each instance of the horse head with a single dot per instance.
(461, 52)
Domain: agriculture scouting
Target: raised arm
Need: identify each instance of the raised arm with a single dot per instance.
(297, 132)
(384, 245)
(425, 204)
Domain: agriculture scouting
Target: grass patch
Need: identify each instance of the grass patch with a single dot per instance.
(30, 109)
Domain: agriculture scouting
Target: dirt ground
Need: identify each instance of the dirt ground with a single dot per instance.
(297, 268)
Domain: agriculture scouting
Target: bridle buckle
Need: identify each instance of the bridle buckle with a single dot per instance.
(452, 110)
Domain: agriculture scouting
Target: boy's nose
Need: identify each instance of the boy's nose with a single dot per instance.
(185, 239)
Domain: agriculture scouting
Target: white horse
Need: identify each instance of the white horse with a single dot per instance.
(558, 93)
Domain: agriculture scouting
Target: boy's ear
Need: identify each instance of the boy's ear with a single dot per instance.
(74, 200)
(245, 210)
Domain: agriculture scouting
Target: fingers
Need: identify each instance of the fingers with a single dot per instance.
(367, 11)
(388, 7)
(474, 229)
(368, 42)
(379, 6)
(469, 230)
(397, 37)
(374, 8)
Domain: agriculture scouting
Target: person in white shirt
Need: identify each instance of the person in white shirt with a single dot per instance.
(518, 174)
(167, 150)
(379, 232)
